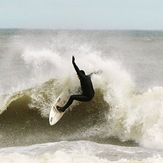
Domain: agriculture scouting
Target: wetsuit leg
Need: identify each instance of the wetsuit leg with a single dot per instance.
(72, 98)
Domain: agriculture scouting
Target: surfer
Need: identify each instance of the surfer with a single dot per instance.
(86, 86)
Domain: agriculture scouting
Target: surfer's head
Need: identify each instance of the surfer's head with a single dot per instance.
(82, 72)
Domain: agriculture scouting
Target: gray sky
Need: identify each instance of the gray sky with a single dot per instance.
(82, 14)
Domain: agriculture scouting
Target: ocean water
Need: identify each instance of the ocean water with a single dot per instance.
(122, 124)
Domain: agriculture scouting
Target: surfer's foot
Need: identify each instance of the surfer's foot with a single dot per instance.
(60, 109)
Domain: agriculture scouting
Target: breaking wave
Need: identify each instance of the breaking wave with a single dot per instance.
(117, 114)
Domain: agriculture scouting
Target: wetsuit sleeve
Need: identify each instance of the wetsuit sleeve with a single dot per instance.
(76, 68)
(80, 74)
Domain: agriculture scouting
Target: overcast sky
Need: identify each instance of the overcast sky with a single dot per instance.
(82, 14)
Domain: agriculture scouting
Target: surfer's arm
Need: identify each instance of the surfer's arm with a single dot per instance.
(95, 72)
(76, 67)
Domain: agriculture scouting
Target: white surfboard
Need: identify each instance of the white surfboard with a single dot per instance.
(55, 115)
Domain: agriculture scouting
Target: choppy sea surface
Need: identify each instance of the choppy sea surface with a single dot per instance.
(122, 124)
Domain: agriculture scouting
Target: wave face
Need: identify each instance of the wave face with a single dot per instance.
(39, 69)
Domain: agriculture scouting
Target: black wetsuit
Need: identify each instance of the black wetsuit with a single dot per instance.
(86, 86)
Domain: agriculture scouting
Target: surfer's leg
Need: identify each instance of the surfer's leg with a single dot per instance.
(71, 99)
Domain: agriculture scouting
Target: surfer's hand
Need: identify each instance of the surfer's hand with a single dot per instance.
(98, 72)
(73, 59)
